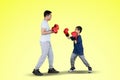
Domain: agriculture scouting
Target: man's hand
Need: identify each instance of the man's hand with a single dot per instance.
(55, 28)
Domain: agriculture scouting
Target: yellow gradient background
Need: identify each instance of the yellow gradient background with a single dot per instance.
(20, 32)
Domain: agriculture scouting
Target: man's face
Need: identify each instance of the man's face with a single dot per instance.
(49, 17)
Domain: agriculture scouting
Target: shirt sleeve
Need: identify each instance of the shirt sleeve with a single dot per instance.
(44, 25)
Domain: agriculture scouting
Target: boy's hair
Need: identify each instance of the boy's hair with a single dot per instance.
(79, 28)
(47, 12)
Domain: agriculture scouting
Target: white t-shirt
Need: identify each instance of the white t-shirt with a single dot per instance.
(46, 37)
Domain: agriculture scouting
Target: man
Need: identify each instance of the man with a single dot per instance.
(45, 46)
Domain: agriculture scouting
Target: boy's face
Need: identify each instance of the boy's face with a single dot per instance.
(76, 30)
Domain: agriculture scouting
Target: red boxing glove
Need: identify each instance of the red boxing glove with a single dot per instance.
(55, 28)
(66, 32)
(74, 34)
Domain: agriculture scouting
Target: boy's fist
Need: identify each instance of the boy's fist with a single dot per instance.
(66, 32)
(74, 35)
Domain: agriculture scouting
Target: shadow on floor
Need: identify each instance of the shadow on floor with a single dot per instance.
(66, 72)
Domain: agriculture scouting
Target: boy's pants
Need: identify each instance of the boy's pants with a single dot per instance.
(74, 56)
(46, 51)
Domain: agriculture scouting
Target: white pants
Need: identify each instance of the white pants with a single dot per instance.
(46, 51)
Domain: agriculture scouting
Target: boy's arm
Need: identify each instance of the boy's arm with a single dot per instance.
(75, 41)
(78, 41)
(72, 40)
(68, 37)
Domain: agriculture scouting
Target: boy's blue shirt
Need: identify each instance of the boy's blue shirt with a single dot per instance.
(78, 47)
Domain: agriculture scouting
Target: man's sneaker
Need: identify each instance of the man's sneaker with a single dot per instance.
(89, 69)
(37, 72)
(72, 69)
(52, 70)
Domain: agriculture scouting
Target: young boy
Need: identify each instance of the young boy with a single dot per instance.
(78, 51)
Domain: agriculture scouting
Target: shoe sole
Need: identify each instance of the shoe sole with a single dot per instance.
(89, 71)
(71, 71)
(38, 74)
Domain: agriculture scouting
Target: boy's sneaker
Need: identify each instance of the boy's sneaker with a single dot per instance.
(89, 69)
(72, 69)
(52, 70)
(37, 72)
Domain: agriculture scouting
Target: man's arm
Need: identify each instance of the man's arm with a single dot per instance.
(44, 32)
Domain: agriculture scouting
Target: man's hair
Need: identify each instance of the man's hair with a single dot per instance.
(47, 12)
(79, 28)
